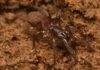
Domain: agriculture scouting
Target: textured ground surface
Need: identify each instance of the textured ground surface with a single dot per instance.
(19, 23)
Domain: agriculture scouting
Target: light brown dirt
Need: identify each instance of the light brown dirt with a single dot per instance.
(19, 25)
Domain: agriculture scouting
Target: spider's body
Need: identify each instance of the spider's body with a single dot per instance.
(54, 32)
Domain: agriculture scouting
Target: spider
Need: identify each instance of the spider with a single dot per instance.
(53, 31)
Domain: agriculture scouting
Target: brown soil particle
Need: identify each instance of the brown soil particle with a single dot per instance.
(26, 42)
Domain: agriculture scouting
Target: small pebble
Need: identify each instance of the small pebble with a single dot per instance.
(65, 59)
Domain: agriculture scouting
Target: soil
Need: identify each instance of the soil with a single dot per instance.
(23, 23)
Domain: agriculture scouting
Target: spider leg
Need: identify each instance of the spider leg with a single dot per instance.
(70, 50)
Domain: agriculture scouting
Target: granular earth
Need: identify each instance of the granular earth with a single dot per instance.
(22, 49)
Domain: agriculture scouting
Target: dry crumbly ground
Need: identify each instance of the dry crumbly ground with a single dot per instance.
(17, 49)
